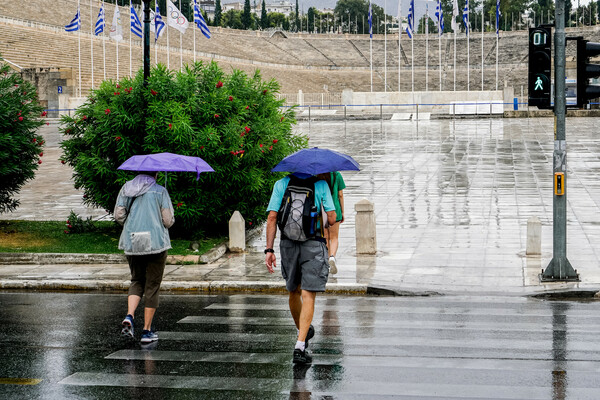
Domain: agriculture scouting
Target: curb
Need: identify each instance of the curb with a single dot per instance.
(192, 287)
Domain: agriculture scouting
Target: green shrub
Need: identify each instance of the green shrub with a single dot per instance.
(233, 122)
(76, 224)
(21, 148)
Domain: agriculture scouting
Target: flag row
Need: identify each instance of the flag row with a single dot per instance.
(174, 18)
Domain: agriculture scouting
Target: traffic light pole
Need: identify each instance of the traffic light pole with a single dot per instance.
(559, 268)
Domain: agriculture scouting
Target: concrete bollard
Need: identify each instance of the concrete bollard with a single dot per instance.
(237, 233)
(366, 241)
(534, 237)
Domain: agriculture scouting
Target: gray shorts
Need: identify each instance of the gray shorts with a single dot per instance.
(305, 264)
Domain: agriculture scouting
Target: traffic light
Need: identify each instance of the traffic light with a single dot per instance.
(540, 66)
(585, 71)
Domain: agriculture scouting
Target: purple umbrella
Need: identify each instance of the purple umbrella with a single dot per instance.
(316, 161)
(167, 162)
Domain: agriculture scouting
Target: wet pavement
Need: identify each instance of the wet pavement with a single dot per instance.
(67, 346)
(452, 199)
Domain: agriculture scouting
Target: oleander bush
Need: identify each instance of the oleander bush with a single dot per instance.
(234, 122)
(21, 147)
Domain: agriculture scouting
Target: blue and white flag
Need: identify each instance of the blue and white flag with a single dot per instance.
(136, 25)
(100, 21)
(466, 17)
(411, 19)
(439, 15)
(200, 22)
(159, 25)
(370, 19)
(75, 23)
(497, 16)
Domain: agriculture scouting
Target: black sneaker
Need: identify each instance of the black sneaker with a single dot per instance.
(309, 335)
(302, 357)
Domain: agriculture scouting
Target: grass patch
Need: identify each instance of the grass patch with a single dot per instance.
(49, 237)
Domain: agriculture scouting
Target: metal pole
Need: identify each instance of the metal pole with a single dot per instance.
(559, 268)
(146, 41)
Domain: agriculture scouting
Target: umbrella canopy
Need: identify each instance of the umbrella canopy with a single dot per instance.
(316, 161)
(167, 162)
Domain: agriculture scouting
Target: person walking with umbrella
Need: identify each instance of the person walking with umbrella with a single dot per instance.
(332, 233)
(296, 208)
(145, 210)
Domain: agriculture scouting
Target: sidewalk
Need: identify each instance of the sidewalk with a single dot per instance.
(451, 200)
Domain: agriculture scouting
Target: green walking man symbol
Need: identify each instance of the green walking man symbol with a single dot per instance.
(538, 84)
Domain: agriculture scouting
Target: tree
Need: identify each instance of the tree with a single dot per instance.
(234, 122)
(21, 147)
(297, 20)
(311, 19)
(246, 15)
(218, 12)
(354, 12)
(277, 20)
(232, 19)
(264, 20)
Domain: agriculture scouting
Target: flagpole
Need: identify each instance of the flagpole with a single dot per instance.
(370, 42)
(384, 46)
(497, 60)
(440, 20)
(79, 44)
(399, 41)
(130, 33)
(426, 47)
(194, 31)
(412, 52)
(455, 61)
(92, 39)
(497, 34)
(482, 20)
(168, 47)
(104, 41)
(468, 53)
(180, 45)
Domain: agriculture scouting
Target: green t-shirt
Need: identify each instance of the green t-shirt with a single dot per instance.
(337, 184)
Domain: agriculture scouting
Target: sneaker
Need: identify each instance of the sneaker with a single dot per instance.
(302, 357)
(332, 265)
(309, 335)
(149, 336)
(127, 327)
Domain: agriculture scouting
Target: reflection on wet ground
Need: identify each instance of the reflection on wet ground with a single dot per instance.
(452, 199)
(239, 347)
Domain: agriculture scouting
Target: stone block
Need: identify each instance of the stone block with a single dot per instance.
(534, 236)
(237, 233)
(365, 227)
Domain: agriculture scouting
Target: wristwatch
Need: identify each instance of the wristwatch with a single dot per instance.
(269, 251)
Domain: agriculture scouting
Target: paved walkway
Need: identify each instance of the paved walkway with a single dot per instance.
(452, 199)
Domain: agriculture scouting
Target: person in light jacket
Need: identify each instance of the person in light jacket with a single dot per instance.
(145, 210)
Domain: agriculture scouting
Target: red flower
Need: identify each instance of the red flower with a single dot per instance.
(117, 93)
(62, 161)
(118, 86)
(66, 232)
(16, 85)
(275, 140)
(179, 204)
(170, 126)
(265, 91)
(216, 115)
(270, 147)
(242, 134)
(68, 131)
(130, 89)
(118, 138)
(219, 84)
(20, 118)
(260, 145)
(68, 222)
(107, 111)
(153, 92)
(39, 161)
(201, 147)
(247, 107)
(281, 119)
(41, 143)
(34, 140)
(47, 123)
(230, 98)
(69, 226)
(247, 129)
(19, 113)
(41, 154)
(85, 118)
(250, 223)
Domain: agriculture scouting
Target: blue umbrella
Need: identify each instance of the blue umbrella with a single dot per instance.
(316, 161)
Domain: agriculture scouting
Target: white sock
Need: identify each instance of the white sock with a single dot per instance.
(300, 345)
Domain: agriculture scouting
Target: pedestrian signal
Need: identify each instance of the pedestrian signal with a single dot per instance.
(585, 71)
(540, 67)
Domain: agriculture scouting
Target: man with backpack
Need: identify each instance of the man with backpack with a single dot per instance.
(296, 207)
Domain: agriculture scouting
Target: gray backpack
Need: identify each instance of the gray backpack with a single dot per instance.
(298, 215)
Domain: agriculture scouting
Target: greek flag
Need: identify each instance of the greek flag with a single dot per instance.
(75, 23)
(439, 14)
(100, 21)
(466, 17)
(200, 22)
(136, 25)
(497, 16)
(411, 19)
(370, 19)
(159, 25)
